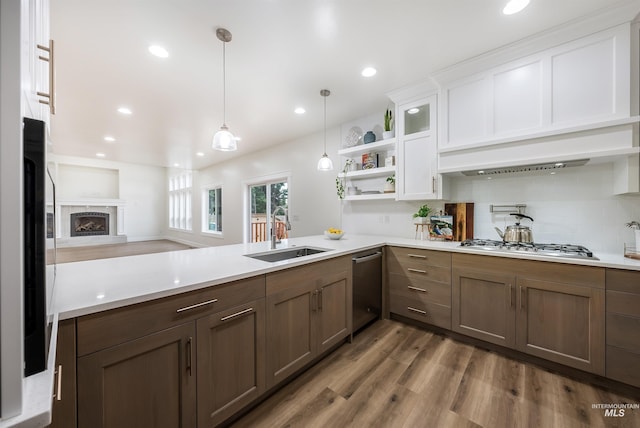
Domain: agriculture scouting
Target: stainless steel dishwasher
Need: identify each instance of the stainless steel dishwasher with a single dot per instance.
(367, 287)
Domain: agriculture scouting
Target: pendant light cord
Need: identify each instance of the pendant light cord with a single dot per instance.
(325, 125)
(224, 84)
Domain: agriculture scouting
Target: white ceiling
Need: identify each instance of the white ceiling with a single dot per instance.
(282, 54)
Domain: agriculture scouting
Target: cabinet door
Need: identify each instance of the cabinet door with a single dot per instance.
(562, 323)
(333, 313)
(483, 306)
(417, 151)
(147, 382)
(291, 336)
(64, 400)
(231, 358)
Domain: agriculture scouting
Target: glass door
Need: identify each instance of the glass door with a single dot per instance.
(264, 198)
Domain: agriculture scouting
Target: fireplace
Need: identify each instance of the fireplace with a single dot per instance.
(89, 224)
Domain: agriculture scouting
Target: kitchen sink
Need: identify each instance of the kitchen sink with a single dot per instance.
(286, 254)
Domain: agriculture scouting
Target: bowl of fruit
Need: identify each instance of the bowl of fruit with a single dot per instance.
(333, 233)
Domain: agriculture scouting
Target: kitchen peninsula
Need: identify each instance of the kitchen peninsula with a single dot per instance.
(175, 306)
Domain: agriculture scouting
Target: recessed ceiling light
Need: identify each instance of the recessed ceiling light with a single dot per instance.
(158, 51)
(552, 173)
(100, 155)
(299, 110)
(369, 71)
(200, 154)
(124, 110)
(109, 138)
(176, 165)
(515, 6)
(559, 164)
(413, 110)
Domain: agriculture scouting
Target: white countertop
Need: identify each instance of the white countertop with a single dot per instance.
(87, 287)
(82, 288)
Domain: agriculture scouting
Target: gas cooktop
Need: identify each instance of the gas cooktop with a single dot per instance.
(554, 250)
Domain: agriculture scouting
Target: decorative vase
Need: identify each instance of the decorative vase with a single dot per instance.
(388, 134)
(369, 137)
(421, 220)
(389, 187)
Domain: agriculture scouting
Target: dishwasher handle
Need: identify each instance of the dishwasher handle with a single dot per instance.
(364, 259)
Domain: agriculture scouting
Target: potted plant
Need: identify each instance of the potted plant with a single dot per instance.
(388, 125)
(341, 180)
(421, 217)
(390, 184)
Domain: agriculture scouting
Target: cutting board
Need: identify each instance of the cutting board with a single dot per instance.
(462, 213)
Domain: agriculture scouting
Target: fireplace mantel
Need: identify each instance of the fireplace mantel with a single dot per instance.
(93, 202)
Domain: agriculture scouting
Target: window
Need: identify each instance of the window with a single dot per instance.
(212, 209)
(180, 201)
(264, 198)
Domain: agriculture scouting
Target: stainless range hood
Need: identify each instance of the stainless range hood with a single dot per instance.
(526, 168)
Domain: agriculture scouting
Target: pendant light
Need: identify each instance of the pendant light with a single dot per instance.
(325, 164)
(224, 140)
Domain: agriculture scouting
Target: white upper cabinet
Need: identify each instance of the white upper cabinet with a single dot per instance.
(37, 60)
(574, 99)
(417, 174)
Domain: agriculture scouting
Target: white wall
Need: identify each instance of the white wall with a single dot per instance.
(313, 204)
(576, 205)
(142, 187)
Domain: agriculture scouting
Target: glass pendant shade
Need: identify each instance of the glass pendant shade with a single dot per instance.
(224, 140)
(325, 164)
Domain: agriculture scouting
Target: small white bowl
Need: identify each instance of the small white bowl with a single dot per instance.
(335, 236)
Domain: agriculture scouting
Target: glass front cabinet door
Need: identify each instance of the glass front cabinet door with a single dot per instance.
(418, 177)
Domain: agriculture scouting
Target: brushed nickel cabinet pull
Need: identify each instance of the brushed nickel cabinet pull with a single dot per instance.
(237, 314)
(416, 310)
(197, 305)
(510, 295)
(58, 394)
(314, 301)
(433, 184)
(417, 256)
(416, 270)
(521, 298)
(422, 290)
(320, 300)
(189, 355)
(50, 101)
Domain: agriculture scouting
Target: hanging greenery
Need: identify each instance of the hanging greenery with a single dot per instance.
(341, 181)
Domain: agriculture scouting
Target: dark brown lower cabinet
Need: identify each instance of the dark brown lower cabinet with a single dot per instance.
(146, 382)
(308, 311)
(549, 310)
(64, 388)
(231, 370)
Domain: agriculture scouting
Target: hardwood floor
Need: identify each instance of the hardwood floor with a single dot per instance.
(76, 254)
(396, 375)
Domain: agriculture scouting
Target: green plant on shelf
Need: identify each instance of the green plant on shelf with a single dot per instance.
(423, 211)
(391, 179)
(388, 120)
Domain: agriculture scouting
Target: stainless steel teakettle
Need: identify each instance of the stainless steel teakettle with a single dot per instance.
(516, 232)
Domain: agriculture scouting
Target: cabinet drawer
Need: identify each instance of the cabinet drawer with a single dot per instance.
(420, 288)
(109, 328)
(319, 273)
(430, 313)
(623, 280)
(623, 331)
(623, 303)
(399, 259)
(622, 365)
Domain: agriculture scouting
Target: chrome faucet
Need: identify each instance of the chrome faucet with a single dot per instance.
(274, 235)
